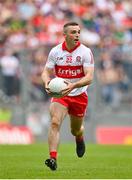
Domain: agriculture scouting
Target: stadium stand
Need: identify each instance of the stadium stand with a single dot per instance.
(29, 28)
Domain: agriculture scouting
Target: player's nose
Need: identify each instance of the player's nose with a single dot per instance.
(77, 34)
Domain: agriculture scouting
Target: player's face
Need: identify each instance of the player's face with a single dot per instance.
(72, 35)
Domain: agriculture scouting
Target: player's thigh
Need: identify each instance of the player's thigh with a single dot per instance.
(76, 122)
(57, 111)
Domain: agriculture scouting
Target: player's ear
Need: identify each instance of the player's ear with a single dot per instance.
(64, 35)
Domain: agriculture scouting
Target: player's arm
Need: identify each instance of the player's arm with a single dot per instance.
(48, 70)
(86, 80)
(46, 77)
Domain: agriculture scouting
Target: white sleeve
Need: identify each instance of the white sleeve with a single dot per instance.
(51, 60)
(88, 58)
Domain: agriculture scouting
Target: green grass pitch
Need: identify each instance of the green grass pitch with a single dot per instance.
(99, 162)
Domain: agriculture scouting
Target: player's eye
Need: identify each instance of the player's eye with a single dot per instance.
(73, 32)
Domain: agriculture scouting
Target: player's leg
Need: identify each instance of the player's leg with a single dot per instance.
(57, 114)
(77, 130)
(77, 109)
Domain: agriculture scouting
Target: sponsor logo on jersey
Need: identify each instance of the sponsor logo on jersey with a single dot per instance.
(69, 71)
(59, 58)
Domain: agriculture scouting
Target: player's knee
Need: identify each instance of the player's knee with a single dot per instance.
(55, 123)
(74, 132)
(77, 132)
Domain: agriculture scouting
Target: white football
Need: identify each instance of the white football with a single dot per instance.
(56, 85)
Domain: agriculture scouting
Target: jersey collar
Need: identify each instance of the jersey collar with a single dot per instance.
(71, 50)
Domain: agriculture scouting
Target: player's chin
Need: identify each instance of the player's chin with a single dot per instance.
(76, 42)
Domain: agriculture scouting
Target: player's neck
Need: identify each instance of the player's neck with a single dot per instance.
(69, 46)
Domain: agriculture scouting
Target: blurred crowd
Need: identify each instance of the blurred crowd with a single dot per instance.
(36, 25)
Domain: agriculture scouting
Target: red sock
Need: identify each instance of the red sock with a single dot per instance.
(53, 154)
(79, 138)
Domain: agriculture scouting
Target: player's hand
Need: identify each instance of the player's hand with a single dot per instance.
(47, 88)
(68, 89)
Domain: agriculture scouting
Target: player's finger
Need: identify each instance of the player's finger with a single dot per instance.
(47, 90)
(65, 90)
(66, 82)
